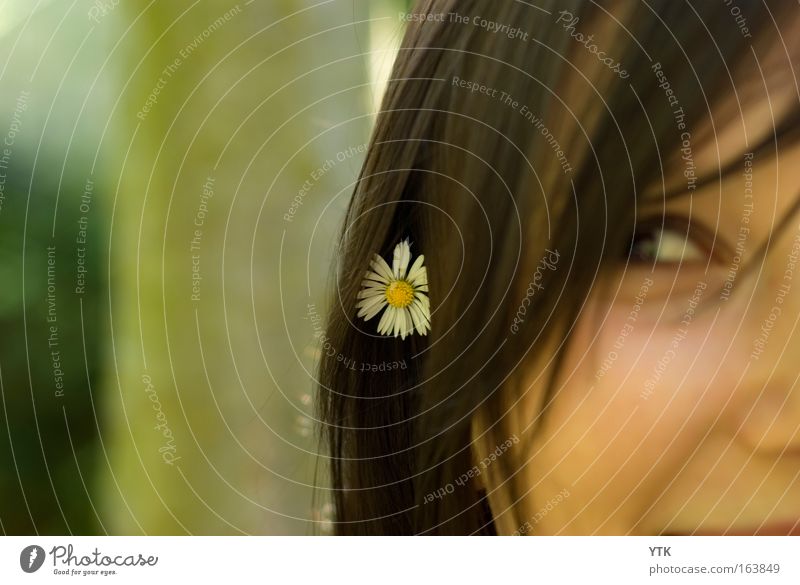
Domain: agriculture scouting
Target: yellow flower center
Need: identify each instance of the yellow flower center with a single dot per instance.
(399, 294)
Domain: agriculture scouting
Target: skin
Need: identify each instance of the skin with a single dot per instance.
(713, 447)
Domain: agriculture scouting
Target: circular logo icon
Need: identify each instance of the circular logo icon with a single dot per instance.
(31, 558)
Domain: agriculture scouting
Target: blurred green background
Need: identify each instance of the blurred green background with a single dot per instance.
(167, 220)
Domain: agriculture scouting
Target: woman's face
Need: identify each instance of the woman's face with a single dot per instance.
(678, 408)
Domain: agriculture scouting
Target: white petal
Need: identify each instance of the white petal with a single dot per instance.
(367, 299)
(398, 321)
(374, 311)
(369, 287)
(374, 278)
(398, 316)
(417, 270)
(384, 326)
(422, 279)
(402, 254)
(367, 304)
(424, 319)
(409, 322)
(380, 266)
(418, 318)
(425, 311)
(371, 291)
(373, 288)
(403, 323)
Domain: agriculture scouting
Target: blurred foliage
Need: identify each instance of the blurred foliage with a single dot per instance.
(257, 104)
(49, 441)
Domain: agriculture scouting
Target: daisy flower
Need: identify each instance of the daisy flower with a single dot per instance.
(400, 291)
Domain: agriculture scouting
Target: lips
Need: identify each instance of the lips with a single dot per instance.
(785, 528)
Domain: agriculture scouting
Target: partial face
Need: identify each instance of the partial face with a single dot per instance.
(678, 410)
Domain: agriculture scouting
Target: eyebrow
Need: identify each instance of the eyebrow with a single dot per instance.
(786, 133)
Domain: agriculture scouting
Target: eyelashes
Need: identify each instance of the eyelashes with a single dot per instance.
(672, 240)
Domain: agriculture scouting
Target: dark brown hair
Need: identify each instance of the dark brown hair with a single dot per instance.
(483, 183)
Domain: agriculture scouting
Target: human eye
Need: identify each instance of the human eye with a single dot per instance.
(670, 241)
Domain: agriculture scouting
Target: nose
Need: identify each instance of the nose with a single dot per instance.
(770, 407)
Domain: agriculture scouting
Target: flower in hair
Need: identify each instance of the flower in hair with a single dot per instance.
(398, 289)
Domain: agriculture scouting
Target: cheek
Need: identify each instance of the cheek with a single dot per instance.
(633, 404)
